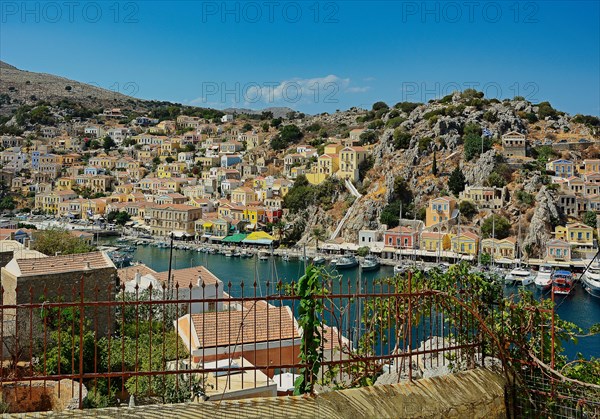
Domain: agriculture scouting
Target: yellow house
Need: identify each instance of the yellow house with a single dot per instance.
(349, 160)
(91, 207)
(578, 235)
(253, 215)
(575, 234)
(50, 202)
(466, 243)
(439, 210)
(499, 249)
(435, 241)
(167, 170)
(590, 167)
(65, 183)
(242, 195)
(333, 148)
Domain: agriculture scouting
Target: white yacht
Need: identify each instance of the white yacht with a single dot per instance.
(591, 280)
(520, 276)
(543, 279)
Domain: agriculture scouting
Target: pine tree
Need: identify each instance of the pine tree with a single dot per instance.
(457, 181)
(434, 168)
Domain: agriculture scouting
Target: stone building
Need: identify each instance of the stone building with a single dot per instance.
(55, 279)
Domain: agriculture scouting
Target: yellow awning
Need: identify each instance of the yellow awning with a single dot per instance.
(207, 225)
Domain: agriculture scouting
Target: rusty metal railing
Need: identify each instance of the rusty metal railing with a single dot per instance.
(168, 344)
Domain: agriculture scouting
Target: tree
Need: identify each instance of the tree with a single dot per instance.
(457, 182)
(247, 127)
(497, 224)
(54, 240)
(590, 218)
(434, 169)
(108, 143)
(473, 145)
(401, 139)
(380, 105)
(319, 234)
(467, 208)
(288, 134)
(118, 217)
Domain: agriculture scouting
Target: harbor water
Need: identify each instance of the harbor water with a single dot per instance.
(580, 308)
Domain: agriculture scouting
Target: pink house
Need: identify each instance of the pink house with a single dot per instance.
(401, 237)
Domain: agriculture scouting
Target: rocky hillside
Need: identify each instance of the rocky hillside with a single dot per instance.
(19, 87)
(408, 136)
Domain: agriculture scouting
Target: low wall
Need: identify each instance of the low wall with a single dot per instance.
(475, 394)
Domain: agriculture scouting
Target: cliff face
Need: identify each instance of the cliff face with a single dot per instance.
(540, 227)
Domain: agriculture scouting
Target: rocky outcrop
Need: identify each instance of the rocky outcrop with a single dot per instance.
(540, 227)
(477, 173)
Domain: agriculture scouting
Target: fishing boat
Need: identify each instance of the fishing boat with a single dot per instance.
(520, 276)
(543, 279)
(237, 254)
(245, 254)
(285, 258)
(562, 282)
(399, 269)
(228, 254)
(263, 255)
(591, 280)
(319, 260)
(370, 263)
(346, 262)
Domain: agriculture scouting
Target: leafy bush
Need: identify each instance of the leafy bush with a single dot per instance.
(498, 224)
(467, 208)
(525, 198)
(407, 107)
(380, 105)
(401, 139)
(394, 122)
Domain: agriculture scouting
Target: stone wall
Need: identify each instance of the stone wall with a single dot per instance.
(474, 394)
(98, 285)
(41, 396)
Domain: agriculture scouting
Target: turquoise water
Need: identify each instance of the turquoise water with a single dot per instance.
(579, 307)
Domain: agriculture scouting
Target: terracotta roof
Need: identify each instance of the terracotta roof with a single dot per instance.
(127, 274)
(175, 207)
(187, 276)
(248, 326)
(64, 263)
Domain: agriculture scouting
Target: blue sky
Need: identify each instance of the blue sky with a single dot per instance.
(313, 56)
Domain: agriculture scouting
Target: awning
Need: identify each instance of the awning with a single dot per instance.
(236, 238)
(259, 237)
(178, 234)
(207, 225)
(216, 238)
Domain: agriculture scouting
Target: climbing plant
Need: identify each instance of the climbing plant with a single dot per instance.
(310, 289)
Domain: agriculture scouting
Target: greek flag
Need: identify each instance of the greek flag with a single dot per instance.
(487, 132)
(89, 212)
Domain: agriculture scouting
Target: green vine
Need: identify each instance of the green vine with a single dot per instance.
(309, 288)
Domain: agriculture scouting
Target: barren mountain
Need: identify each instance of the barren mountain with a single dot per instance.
(19, 87)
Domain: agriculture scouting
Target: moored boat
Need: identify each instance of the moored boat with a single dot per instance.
(543, 279)
(346, 262)
(319, 260)
(263, 255)
(520, 276)
(399, 269)
(370, 263)
(591, 280)
(562, 282)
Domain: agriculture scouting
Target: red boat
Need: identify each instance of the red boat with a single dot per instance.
(562, 282)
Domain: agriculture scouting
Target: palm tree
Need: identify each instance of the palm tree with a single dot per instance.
(319, 234)
(279, 226)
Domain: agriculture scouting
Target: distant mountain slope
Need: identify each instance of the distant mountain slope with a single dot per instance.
(278, 112)
(26, 87)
